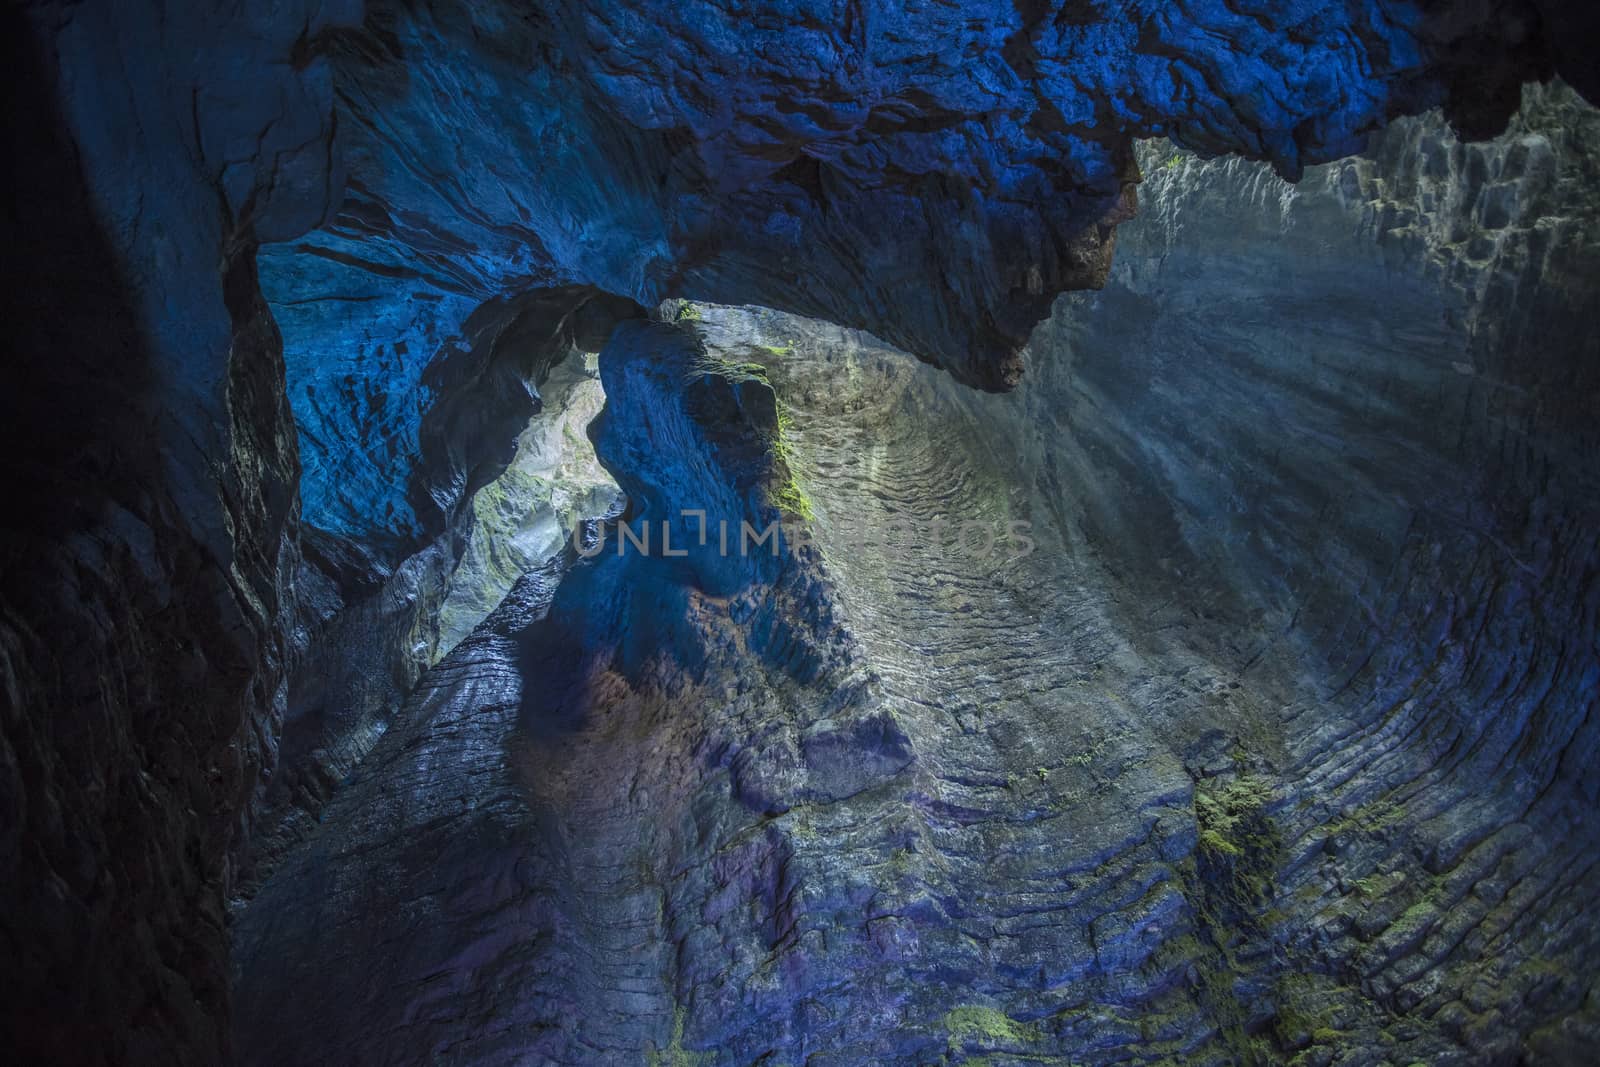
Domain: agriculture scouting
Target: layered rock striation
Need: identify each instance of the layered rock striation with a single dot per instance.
(432, 201)
(1262, 738)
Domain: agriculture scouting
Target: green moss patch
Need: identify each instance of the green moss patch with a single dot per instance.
(974, 1022)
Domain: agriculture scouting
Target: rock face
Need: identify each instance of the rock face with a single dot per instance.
(144, 612)
(1397, 484)
(525, 516)
(935, 173)
(366, 632)
(1264, 736)
(495, 185)
(552, 873)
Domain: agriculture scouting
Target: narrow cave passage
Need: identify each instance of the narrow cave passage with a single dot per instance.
(380, 630)
(616, 531)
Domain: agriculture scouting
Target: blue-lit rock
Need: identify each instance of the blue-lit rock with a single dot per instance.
(1277, 748)
(935, 172)
(932, 173)
(546, 878)
(412, 397)
(145, 600)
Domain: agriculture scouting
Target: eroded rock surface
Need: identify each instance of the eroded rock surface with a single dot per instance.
(526, 515)
(936, 172)
(603, 738)
(366, 633)
(933, 173)
(1268, 743)
(150, 521)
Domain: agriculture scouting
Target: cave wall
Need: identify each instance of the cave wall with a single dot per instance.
(1273, 748)
(503, 180)
(151, 585)
(151, 528)
(377, 602)
(364, 633)
(1334, 436)
(494, 804)
(1393, 466)
(525, 516)
(934, 173)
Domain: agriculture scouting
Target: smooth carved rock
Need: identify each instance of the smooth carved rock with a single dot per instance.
(1274, 748)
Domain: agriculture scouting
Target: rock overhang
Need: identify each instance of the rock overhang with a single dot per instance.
(933, 173)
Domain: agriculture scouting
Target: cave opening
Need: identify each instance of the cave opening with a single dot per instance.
(956, 534)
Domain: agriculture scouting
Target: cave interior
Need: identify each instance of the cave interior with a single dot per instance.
(815, 532)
